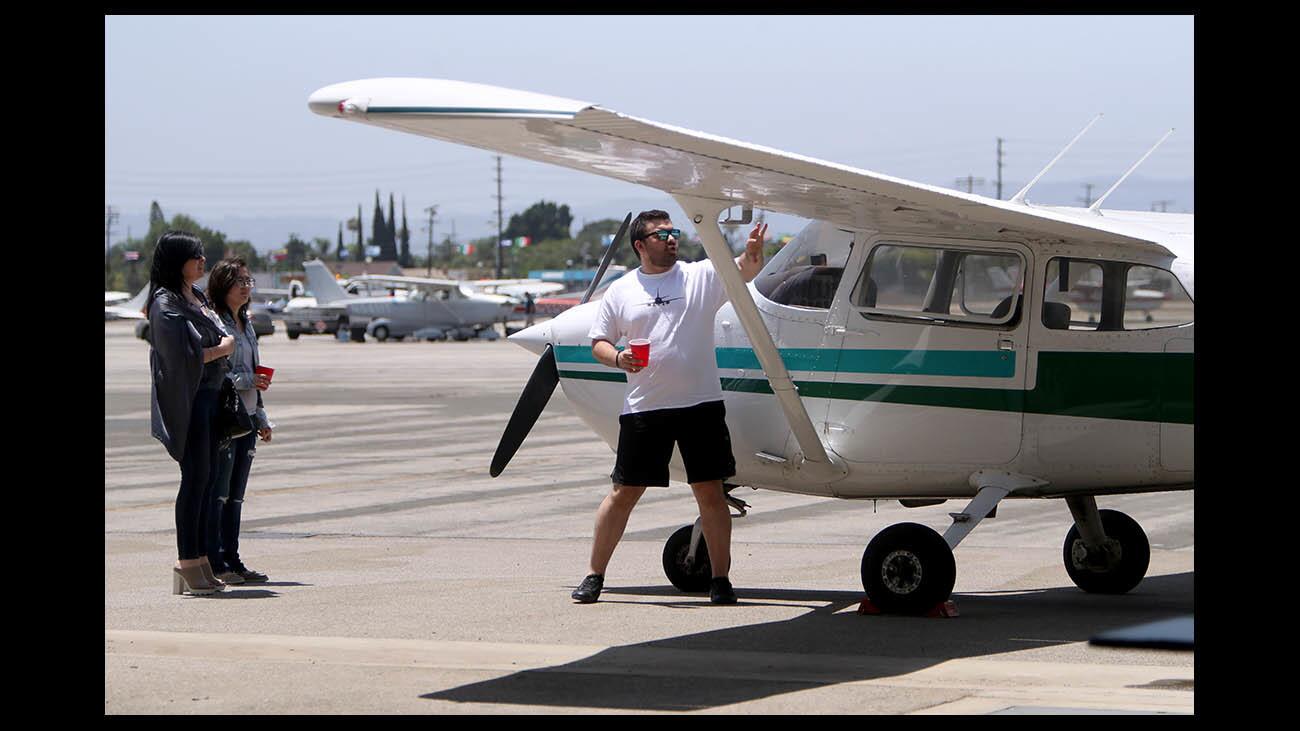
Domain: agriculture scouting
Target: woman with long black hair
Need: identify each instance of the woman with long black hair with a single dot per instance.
(187, 363)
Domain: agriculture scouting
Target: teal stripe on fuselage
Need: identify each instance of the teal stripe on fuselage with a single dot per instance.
(953, 363)
(1152, 387)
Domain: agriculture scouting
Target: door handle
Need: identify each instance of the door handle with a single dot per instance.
(1006, 344)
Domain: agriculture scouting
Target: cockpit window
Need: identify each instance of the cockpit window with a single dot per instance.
(807, 270)
(941, 284)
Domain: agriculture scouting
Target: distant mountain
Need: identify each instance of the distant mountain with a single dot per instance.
(271, 232)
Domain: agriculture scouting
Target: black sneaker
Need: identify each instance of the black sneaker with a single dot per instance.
(720, 591)
(250, 576)
(589, 590)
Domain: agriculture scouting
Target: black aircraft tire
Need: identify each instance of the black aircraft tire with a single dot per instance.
(293, 334)
(381, 333)
(675, 551)
(908, 569)
(1135, 556)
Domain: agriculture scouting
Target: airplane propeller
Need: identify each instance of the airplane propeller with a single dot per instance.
(546, 375)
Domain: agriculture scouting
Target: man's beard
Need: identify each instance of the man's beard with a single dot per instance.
(665, 259)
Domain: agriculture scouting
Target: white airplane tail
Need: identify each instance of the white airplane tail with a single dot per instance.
(321, 281)
(137, 302)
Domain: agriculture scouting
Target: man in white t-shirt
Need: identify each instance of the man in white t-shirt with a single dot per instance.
(674, 397)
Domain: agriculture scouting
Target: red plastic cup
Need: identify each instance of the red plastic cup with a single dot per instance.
(640, 350)
(264, 371)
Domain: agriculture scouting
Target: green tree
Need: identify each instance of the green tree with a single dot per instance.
(156, 214)
(320, 248)
(391, 235)
(338, 253)
(542, 221)
(379, 229)
(404, 257)
(358, 251)
(297, 251)
(246, 251)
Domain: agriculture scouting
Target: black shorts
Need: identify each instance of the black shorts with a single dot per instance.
(645, 445)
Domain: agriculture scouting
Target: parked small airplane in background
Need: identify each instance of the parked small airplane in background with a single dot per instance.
(877, 355)
(132, 309)
(516, 288)
(427, 308)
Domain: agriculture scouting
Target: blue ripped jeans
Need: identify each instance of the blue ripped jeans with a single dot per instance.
(227, 501)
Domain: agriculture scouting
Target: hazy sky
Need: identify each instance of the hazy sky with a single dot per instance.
(208, 114)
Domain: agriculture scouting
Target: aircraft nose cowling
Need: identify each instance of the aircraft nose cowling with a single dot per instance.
(533, 339)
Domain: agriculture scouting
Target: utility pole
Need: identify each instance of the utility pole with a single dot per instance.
(1164, 205)
(999, 168)
(432, 211)
(500, 230)
(970, 181)
(110, 217)
(1087, 197)
(451, 241)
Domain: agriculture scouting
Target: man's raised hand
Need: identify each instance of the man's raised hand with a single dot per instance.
(754, 246)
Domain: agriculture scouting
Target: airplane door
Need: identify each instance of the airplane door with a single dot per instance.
(931, 362)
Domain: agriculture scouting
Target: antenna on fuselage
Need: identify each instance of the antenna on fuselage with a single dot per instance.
(1096, 207)
(1020, 197)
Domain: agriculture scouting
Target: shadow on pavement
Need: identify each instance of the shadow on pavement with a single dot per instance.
(658, 675)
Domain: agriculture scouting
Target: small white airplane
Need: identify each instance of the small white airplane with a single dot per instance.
(516, 288)
(431, 308)
(115, 298)
(877, 355)
(129, 309)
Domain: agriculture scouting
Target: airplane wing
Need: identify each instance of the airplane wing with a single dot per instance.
(399, 281)
(681, 161)
(515, 287)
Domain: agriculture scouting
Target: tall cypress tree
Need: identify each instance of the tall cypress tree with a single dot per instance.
(338, 254)
(359, 253)
(379, 226)
(392, 227)
(405, 258)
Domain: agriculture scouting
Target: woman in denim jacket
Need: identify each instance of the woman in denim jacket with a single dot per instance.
(187, 362)
(229, 288)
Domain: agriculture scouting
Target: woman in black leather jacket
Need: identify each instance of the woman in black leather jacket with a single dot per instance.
(187, 363)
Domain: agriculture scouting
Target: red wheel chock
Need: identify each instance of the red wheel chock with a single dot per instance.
(946, 608)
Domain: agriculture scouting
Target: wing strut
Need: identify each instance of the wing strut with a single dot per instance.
(1020, 197)
(1096, 206)
(815, 461)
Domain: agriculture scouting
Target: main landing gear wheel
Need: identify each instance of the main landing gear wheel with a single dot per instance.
(381, 333)
(1123, 564)
(691, 578)
(908, 569)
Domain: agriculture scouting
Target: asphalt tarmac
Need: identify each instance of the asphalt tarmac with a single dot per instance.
(404, 579)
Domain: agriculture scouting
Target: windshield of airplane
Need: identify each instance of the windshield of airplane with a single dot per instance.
(807, 270)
